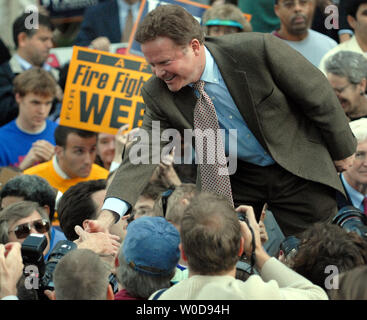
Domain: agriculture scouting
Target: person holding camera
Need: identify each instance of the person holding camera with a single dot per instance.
(211, 222)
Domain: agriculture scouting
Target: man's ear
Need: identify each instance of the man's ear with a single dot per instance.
(18, 98)
(363, 85)
(242, 247)
(352, 21)
(110, 295)
(196, 46)
(85, 224)
(182, 252)
(276, 10)
(58, 150)
(22, 38)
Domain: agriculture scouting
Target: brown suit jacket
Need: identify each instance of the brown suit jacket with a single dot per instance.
(286, 102)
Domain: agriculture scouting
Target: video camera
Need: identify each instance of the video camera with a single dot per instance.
(352, 219)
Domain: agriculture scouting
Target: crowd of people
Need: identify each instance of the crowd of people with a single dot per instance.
(278, 96)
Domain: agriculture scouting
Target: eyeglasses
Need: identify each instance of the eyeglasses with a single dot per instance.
(360, 155)
(290, 4)
(165, 195)
(23, 230)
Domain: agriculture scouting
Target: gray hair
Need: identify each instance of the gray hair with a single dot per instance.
(81, 275)
(351, 65)
(138, 284)
(15, 212)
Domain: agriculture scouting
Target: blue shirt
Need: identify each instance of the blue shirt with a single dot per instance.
(124, 11)
(355, 196)
(15, 143)
(248, 148)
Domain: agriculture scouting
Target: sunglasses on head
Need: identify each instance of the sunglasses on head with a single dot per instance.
(23, 230)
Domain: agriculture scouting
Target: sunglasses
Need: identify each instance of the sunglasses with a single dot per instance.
(23, 230)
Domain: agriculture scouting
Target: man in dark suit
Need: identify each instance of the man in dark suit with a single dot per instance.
(292, 133)
(33, 46)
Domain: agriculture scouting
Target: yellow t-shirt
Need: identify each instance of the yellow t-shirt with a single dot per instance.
(47, 171)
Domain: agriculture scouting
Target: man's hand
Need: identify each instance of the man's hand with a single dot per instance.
(101, 43)
(105, 220)
(344, 164)
(165, 171)
(104, 244)
(41, 151)
(260, 253)
(11, 268)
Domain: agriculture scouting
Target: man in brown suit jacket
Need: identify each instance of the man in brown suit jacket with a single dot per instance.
(286, 104)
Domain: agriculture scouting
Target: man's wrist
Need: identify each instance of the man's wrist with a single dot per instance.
(261, 257)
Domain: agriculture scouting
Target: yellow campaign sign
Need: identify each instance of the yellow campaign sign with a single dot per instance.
(103, 91)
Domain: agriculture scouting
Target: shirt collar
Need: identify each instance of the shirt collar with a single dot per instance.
(211, 72)
(26, 65)
(355, 196)
(58, 170)
(124, 7)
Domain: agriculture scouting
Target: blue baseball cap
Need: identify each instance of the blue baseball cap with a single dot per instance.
(151, 246)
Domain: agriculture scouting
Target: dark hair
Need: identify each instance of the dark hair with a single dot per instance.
(31, 188)
(61, 134)
(326, 244)
(171, 21)
(19, 26)
(35, 80)
(351, 7)
(77, 205)
(210, 234)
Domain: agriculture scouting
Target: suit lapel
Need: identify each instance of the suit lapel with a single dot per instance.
(185, 101)
(237, 84)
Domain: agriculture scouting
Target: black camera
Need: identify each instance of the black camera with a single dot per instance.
(38, 274)
(351, 219)
(61, 249)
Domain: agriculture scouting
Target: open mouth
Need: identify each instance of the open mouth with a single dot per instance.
(169, 79)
